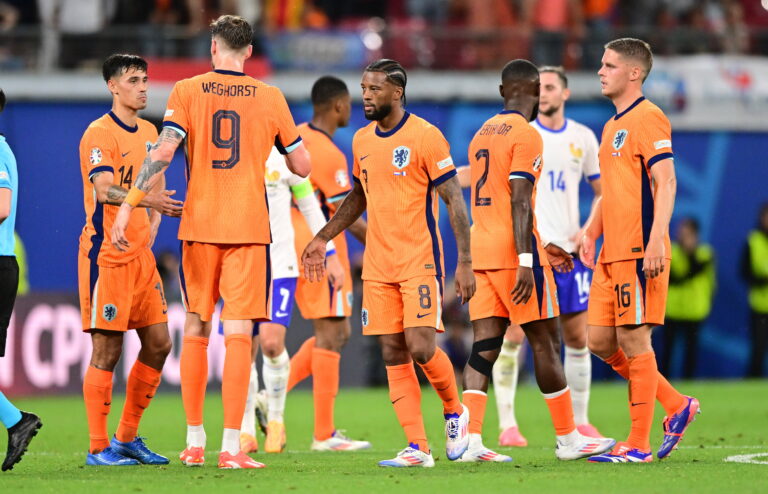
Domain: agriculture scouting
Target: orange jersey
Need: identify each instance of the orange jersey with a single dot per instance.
(633, 141)
(109, 145)
(329, 178)
(505, 148)
(399, 171)
(231, 121)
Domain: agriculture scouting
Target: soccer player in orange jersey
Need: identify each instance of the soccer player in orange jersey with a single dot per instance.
(327, 308)
(230, 122)
(402, 163)
(121, 289)
(512, 267)
(629, 290)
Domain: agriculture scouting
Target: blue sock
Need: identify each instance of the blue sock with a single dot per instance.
(9, 414)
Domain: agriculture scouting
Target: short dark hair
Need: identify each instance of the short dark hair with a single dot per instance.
(233, 30)
(519, 69)
(2, 100)
(119, 63)
(393, 70)
(326, 89)
(636, 49)
(555, 69)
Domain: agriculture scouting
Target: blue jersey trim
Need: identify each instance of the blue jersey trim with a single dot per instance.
(357, 180)
(97, 220)
(286, 149)
(444, 177)
(553, 131)
(509, 112)
(122, 124)
(397, 127)
(100, 169)
(176, 127)
(182, 279)
(659, 157)
(525, 175)
(337, 197)
(637, 102)
(228, 72)
(432, 227)
(646, 205)
(318, 129)
(593, 177)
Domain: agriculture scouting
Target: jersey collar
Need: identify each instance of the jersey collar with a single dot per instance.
(637, 102)
(554, 131)
(394, 129)
(509, 112)
(228, 72)
(122, 124)
(318, 129)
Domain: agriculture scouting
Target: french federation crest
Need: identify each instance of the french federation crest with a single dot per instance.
(401, 156)
(619, 139)
(109, 312)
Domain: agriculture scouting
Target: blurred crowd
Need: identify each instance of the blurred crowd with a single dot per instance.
(452, 34)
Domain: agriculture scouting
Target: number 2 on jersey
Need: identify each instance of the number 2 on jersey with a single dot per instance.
(232, 142)
(482, 201)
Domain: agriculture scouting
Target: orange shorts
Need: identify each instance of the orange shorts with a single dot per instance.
(241, 274)
(622, 296)
(317, 300)
(493, 296)
(388, 308)
(123, 297)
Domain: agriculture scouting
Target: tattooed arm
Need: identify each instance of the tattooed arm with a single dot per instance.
(450, 192)
(350, 210)
(159, 200)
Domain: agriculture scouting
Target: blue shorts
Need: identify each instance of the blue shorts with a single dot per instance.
(283, 291)
(573, 288)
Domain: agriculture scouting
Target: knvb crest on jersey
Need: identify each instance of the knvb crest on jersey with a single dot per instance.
(401, 156)
(619, 139)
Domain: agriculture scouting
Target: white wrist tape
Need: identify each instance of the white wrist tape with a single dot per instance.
(525, 260)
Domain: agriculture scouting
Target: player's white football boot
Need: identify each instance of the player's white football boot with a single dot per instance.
(477, 453)
(575, 446)
(339, 442)
(456, 434)
(410, 457)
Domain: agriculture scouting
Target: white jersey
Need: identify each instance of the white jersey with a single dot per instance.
(279, 180)
(570, 153)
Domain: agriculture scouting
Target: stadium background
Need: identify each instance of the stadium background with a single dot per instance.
(709, 76)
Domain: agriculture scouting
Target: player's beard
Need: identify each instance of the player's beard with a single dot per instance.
(379, 113)
(549, 111)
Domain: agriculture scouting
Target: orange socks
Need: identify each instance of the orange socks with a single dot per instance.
(301, 363)
(325, 372)
(97, 393)
(475, 401)
(405, 394)
(439, 371)
(234, 381)
(643, 381)
(194, 377)
(561, 411)
(668, 396)
(139, 391)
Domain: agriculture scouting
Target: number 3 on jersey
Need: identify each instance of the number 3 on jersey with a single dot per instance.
(232, 143)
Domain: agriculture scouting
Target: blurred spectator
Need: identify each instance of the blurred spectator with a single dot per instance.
(689, 302)
(734, 34)
(168, 267)
(754, 265)
(493, 39)
(9, 16)
(756, 17)
(21, 258)
(551, 21)
(597, 18)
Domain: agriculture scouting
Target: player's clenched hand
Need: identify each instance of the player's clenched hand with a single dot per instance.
(313, 259)
(523, 286)
(163, 203)
(561, 261)
(335, 271)
(653, 261)
(465, 281)
(587, 251)
(118, 228)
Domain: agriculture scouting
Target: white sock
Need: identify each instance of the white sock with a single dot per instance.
(195, 436)
(475, 440)
(230, 441)
(578, 374)
(570, 438)
(249, 417)
(275, 372)
(505, 372)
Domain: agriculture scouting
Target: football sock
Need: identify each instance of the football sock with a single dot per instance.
(301, 363)
(643, 380)
(505, 372)
(196, 436)
(139, 391)
(668, 396)
(234, 381)
(97, 393)
(230, 441)
(578, 374)
(249, 416)
(194, 377)
(325, 372)
(275, 372)
(439, 371)
(405, 395)
(561, 411)
(475, 400)
(9, 414)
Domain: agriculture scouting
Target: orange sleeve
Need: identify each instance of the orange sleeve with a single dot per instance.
(287, 138)
(655, 138)
(177, 111)
(437, 156)
(526, 156)
(97, 151)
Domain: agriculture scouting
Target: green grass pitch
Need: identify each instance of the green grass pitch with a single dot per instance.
(734, 422)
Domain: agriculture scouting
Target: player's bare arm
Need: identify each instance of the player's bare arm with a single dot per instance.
(663, 174)
(298, 161)
(592, 230)
(313, 257)
(358, 230)
(464, 174)
(450, 192)
(159, 200)
(522, 219)
(5, 203)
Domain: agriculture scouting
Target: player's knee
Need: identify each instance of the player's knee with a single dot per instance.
(484, 354)
(602, 349)
(163, 348)
(272, 347)
(106, 358)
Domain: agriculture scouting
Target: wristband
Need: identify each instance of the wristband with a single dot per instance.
(525, 260)
(134, 197)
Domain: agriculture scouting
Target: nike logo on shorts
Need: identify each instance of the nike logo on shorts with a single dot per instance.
(622, 313)
(419, 316)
